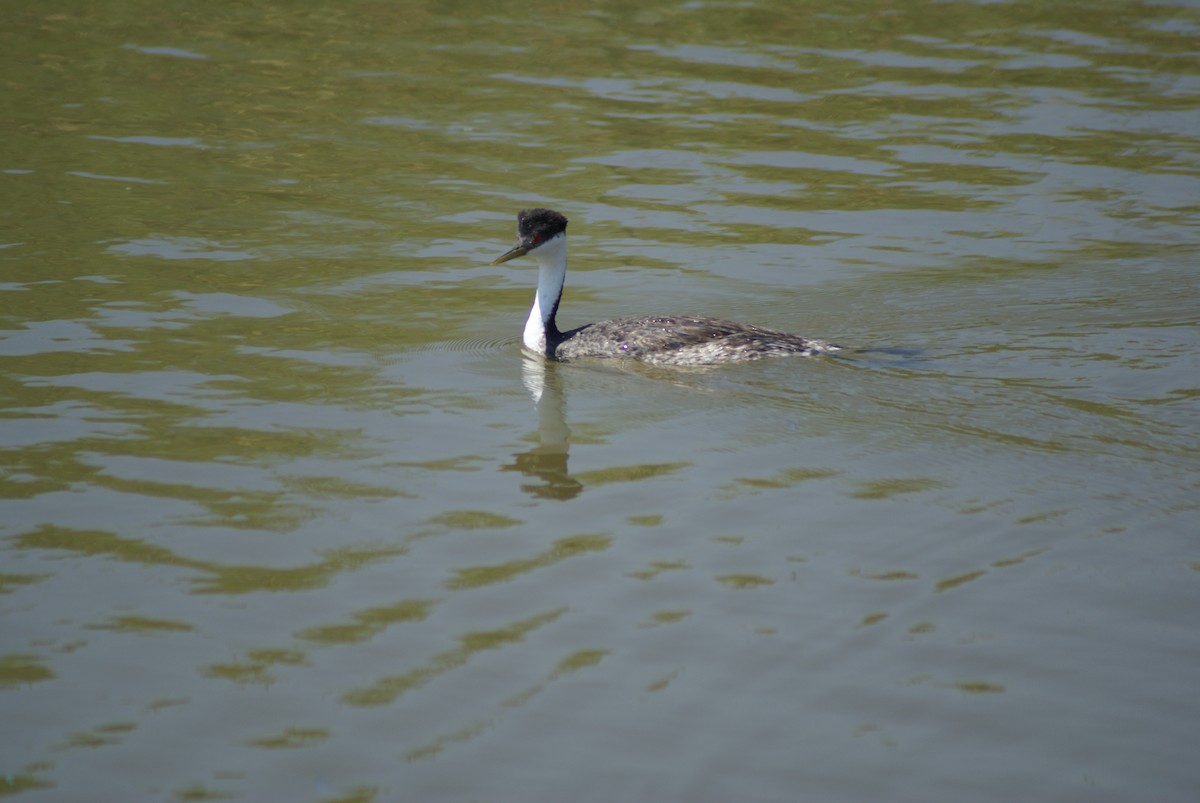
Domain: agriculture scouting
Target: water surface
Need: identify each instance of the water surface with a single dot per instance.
(287, 514)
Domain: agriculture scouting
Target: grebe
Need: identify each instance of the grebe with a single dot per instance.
(656, 339)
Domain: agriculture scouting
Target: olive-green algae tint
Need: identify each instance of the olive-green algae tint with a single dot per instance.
(367, 623)
(213, 577)
(581, 660)
(607, 476)
(958, 580)
(388, 688)
(473, 520)
(888, 488)
(657, 567)
(787, 478)
(20, 669)
(11, 582)
(562, 549)
(142, 624)
(745, 580)
(293, 738)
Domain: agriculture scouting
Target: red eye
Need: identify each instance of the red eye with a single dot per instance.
(537, 238)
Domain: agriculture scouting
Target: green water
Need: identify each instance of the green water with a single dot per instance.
(286, 514)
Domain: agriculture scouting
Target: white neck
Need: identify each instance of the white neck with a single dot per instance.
(552, 272)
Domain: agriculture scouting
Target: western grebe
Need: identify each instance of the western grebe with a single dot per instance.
(657, 339)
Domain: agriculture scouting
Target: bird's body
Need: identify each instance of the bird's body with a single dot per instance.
(655, 339)
(679, 340)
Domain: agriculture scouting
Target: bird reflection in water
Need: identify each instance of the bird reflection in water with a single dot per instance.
(547, 462)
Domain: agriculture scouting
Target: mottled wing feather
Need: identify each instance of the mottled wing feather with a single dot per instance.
(682, 340)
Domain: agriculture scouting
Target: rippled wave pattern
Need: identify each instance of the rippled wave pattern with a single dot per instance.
(287, 514)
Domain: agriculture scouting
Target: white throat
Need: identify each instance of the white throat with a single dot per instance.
(552, 272)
